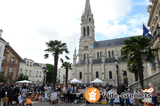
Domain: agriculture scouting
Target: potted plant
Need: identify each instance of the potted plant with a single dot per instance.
(125, 79)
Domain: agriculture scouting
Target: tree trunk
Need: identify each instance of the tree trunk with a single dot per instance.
(66, 75)
(55, 69)
(136, 75)
(140, 71)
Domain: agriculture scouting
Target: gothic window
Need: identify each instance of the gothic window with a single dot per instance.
(88, 31)
(84, 31)
(80, 75)
(84, 56)
(89, 19)
(109, 55)
(82, 20)
(110, 74)
(97, 55)
(86, 47)
(97, 74)
(125, 73)
(112, 53)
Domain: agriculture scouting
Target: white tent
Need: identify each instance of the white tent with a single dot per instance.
(75, 81)
(24, 81)
(97, 81)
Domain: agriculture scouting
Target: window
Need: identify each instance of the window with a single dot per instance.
(82, 20)
(4, 58)
(97, 74)
(89, 19)
(30, 73)
(84, 56)
(40, 74)
(26, 73)
(100, 54)
(88, 31)
(2, 68)
(112, 53)
(109, 55)
(27, 63)
(121, 52)
(97, 55)
(125, 73)
(85, 47)
(31, 64)
(110, 74)
(12, 60)
(80, 75)
(37, 74)
(84, 31)
(10, 70)
(20, 71)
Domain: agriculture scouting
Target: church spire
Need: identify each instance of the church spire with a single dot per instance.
(87, 9)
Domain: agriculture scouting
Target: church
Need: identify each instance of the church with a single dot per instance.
(96, 59)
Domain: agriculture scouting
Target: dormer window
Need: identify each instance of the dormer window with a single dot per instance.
(12, 60)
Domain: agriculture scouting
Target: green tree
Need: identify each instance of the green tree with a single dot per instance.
(131, 67)
(2, 78)
(135, 49)
(55, 48)
(22, 77)
(49, 78)
(67, 66)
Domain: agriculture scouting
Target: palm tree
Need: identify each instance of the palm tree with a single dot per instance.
(67, 66)
(131, 67)
(55, 48)
(136, 48)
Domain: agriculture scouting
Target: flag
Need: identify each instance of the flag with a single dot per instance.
(146, 32)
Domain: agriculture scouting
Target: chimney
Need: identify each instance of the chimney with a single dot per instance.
(1, 33)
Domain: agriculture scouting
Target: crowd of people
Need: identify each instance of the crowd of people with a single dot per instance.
(20, 92)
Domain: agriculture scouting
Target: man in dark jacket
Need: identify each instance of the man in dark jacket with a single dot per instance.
(10, 95)
(121, 89)
(2, 92)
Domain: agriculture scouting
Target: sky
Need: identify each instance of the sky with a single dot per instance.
(28, 24)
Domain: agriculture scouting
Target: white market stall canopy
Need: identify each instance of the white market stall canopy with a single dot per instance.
(75, 81)
(24, 81)
(97, 81)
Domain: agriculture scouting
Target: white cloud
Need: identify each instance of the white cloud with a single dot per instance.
(27, 25)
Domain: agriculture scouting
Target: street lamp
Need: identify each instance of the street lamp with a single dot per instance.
(116, 63)
(45, 71)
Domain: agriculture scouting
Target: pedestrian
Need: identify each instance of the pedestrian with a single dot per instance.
(154, 94)
(121, 89)
(127, 92)
(111, 100)
(24, 94)
(10, 95)
(136, 100)
(2, 92)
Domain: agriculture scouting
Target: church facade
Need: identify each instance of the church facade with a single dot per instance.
(96, 59)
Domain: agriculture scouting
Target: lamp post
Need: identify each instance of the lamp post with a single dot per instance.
(116, 63)
(45, 71)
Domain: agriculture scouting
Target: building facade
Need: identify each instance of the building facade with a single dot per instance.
(10, 64)
(33, 70)
(2, 47)
(96, 59)
(61, 75)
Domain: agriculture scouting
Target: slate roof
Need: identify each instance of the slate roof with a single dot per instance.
(97, 61)
(109, 43)
(24, 61)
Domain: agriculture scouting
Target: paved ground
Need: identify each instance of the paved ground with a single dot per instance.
(69, 104)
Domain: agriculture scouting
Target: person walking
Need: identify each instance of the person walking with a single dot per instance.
(24, 94)
(111, 100)
(136, 100)
(2, 92)
(154, 95)
(127, 92)
(121, 89)
(10, 95)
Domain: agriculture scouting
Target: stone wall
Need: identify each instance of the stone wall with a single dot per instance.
(154, 79)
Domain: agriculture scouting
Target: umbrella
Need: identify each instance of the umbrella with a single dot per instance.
(24, 81)
(97, 81)
(75, 81)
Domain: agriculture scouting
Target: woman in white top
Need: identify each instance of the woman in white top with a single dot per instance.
(64, 89)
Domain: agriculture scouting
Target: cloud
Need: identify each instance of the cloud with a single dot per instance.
(28, 25)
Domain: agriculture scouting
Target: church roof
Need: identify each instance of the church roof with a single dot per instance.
(109, 43)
